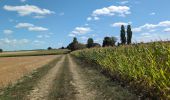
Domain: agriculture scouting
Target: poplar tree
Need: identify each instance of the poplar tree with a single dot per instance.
(123, 35)
(129, 35)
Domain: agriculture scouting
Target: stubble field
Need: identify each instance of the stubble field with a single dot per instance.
(13, 68)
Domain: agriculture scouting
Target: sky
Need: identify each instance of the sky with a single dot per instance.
(38, 24)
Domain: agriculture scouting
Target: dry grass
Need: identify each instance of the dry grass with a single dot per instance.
(12, 69)
(17, 52)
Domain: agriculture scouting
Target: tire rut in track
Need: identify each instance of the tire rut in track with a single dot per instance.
(81, 86)
(62, 87)
(43, 87)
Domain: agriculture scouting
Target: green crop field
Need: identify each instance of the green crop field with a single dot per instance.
(35, 53)
(145, 68)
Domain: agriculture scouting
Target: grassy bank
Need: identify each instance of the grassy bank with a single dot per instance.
(37, 53)
(145, 67)
(19, 90)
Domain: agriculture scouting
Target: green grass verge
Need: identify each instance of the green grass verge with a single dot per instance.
(19, 90)
(37, 53)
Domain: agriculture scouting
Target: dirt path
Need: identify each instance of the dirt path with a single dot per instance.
(92, 85)
(72, 79)
(80, 85)
(43, 87)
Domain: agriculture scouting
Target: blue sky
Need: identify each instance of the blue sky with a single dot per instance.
(37, 24)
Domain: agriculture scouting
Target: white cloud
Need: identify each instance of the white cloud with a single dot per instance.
(89, 19)
(153, 13)
(136, 29)
(93, 18)
(38, 42)
(24, 25)
(26, 10)
(71, 35)
(37, 29)
(23, 0)
(123, 2)
(30, 27)
(147, 35)
(151, 26)
(84, 38)
(81, 30)
(7, 32)
(38, 17)
(167, 30)
(164, 23)
(96, 18)
(43, 36)
(13, 42)
(112, 10)
(118, 24)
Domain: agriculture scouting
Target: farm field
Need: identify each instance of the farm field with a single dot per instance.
(34, 53)
(16, 52)
(84, 50)
(129, 72)
(67, 78)
(142, 67)
(13, 68)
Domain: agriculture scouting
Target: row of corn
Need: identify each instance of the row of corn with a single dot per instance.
(143, 67)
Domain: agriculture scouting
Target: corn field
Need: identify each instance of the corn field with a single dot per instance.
(145, 68)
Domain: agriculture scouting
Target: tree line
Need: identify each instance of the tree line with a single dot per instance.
(125, 38)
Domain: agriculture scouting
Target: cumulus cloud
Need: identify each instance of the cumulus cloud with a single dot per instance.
(7, 32)
(118, 24)
(80, 31)
(71, 35)
(13, 42)
(112, 10)
(43, 36)
(23, 0)
(89, 19)
(153, 13)
(26, 10)
(37, 28)
(151, 26)
(93, 18)
(123, 2)
(24, 25)
(147, 35)
(167, 30)
(38, 42)
(30, 27)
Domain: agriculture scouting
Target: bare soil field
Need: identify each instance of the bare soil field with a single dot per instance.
(12, 69)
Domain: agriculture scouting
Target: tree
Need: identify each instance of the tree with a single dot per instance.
(113, 41)
(80, 46)
(90, 43)
(123, 35)
(73, 45)
(129, 35)
(62, 47)
(49, 48)
(1, 50)
(96, 45)
(109, 41)
(75, 40)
